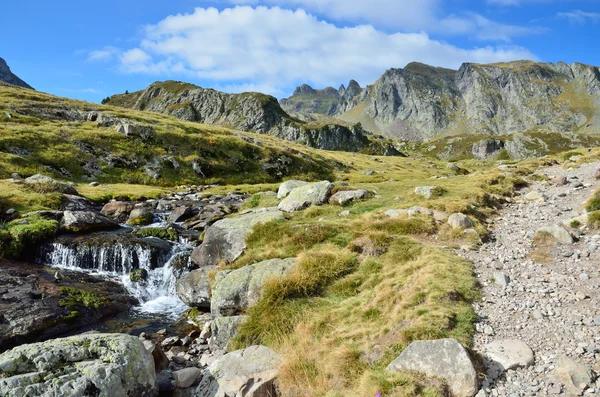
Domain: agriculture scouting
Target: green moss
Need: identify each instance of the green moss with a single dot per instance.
(138, 276)
(75, 298)
(161, 233)
(26, 232)
(140, 220)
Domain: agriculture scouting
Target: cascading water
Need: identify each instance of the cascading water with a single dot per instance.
(117, 260)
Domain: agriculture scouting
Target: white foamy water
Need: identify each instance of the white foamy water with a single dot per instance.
(156, 295)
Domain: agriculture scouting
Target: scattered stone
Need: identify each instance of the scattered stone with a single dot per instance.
(574, 376)
(181, 214)
(286, 187)
(94, 184)
(140, 216)
(428, 191)
(535, 196)
(118, 209)
(186, 377)
(510, 354)
(346, 196)
(501, 279)
(444, 358)
(369, 172)
(85, 222)
(305, 196)
(559, 232)
(460, 221)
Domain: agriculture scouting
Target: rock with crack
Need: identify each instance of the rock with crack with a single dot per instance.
(251, 372)
(286, 187)
(225, 240)
(103, 365)
(346, 196)
(236, 290)
(223, 330)
(305, 196)
(444, 358)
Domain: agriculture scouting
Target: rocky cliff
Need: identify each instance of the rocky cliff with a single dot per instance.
(246, 112)
(421, 102)
(9, 77)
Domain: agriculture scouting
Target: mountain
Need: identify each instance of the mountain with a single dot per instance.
(246, 112)
(422, 102)
(9, 77)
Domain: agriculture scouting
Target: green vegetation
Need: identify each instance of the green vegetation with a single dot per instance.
(158, 232)
(594, 220)
(22, 233)
(593, 203)
(75, 298)
(568, 155)
(138, 275)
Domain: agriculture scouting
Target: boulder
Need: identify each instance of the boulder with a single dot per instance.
(286, 187)
(140, 216)
(487, 148)
(305, 196)
(118, 209)
(225, 240)
(428, 191)
(444, 358)
(47, 183)
(560, 180)
(181, 214)
(194, 288)
(161, 362)
(103, 365)
(223, 329)
(130, 129)
(76, 203)
(559, 232)
(186, 377)
(574, 376)
(346, 196)
(251, 372)
(510, 354)
(85, 222)
(535, 196)
(460, 221)
(236, 290)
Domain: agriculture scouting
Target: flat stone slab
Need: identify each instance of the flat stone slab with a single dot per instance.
(510, 353)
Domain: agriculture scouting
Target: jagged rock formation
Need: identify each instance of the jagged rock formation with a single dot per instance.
(249, 111)
(9, 77)
(420, 102)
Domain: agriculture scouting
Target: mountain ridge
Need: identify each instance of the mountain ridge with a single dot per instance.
(7, 76)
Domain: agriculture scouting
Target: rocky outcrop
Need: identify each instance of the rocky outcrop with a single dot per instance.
(85, 222)
(250, 111)
(225, 240)
(419, 102)
(223, 330)
(103, 365)
(251, 372)
(444, 358)
(302, 197)
(9, 77)
(236, 290)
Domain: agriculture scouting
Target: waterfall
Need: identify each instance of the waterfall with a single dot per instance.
(116, 261)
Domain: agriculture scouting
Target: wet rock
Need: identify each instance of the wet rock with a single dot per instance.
(225, 240)
(102, 364)
(86, 222)
(161, 362)
(444, 358)
(305, 196)
(118, 209)
(165, 381)
(181, 214)
(140, 216)
(236, 290)
(251, 372)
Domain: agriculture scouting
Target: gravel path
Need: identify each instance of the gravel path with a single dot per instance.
(553, 307)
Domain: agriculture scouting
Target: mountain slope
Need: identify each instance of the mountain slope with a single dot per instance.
(246, 112)
(9, 77)
(421, 102)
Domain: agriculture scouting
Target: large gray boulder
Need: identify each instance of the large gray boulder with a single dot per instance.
(251, 372)
(305, 196)
(103, 365)
(85, 222)
(444, 358)
(559, 232)
(347, 196)
(194, 288)
(428, 192)
(223, 330)
(132, 129)
(460, 221)
(236, 290)
(118, 209)
(225, 240)
(46, 183)
(286, 187)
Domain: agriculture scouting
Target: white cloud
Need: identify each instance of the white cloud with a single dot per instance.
(481, 28)
(106, 54)
(273, 49)
(578, 16)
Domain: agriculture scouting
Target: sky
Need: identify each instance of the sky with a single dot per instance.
(90, 50)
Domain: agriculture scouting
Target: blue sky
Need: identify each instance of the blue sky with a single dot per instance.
(90, 49)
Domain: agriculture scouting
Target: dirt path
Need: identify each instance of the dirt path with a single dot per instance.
(552, 305)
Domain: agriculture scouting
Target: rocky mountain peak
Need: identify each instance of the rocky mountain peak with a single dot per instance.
(304, 89)
(7, 76)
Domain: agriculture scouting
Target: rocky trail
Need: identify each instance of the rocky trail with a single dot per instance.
(550, 306)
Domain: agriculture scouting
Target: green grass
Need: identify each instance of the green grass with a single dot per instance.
(594, 220)
(20, 234)
(75, 298)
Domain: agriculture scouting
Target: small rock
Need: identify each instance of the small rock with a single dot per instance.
(186, 377)
(510, 354)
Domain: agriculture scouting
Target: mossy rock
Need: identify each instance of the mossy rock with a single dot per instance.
(138, 276)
